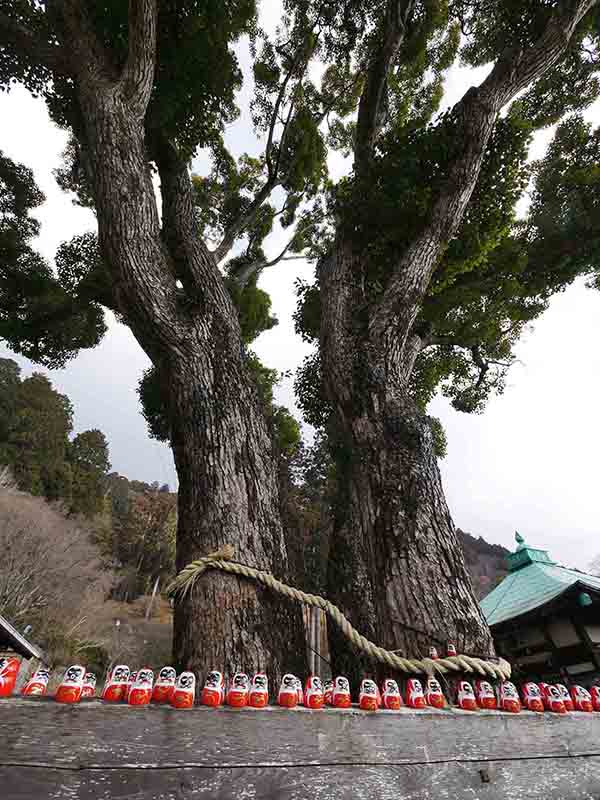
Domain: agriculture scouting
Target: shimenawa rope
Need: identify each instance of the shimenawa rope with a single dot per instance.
(222, 559)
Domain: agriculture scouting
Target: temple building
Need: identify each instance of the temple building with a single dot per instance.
(545, 618)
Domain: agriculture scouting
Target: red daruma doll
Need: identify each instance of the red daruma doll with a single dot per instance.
(582, 699)
(313, 693)
(434, 696)
(237, 696)
(485, 695)
(259, 691)
(141, 690)
(328, 692)
(414, 694)
(509, 698)
(115, 688)
(565, 696)
(164, 686)
(299, 692)
(9, 669)
(466, 696)
(340, 697)
(213, 693)
(71, 686)
(184, 691)
(129, 686)
(552, 699)
(288, 691)
(390, 695)
(595, 695)
(89, 685)
(532, 697)
(367, 697)
(37, 685)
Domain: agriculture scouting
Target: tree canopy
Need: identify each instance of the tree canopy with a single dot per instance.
(495, 276)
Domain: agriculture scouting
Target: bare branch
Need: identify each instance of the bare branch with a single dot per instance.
(476, 115)
(138, 73)
(372, 101)
(21, 38)
(245, 273)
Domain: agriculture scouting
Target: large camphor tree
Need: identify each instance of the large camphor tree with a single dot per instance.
(140, 87)
(425, 277)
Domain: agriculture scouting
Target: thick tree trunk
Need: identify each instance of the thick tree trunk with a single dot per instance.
(228, 494)
(396, 566)
(227, 477)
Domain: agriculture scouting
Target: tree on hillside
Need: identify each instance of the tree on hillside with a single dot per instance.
(88, 456)
(424, 277)
(39, 437)
(35, 425)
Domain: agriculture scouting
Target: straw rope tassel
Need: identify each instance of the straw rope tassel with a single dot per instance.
(221, 560)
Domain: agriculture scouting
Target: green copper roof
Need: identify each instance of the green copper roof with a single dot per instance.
(533, 580)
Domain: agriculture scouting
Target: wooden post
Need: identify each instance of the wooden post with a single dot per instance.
(149, 609)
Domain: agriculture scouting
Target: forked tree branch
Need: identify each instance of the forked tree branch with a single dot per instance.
(371, 104)
(243, 275)
(192, 260)
(476, 115)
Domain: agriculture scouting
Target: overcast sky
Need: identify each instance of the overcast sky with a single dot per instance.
(529, 463)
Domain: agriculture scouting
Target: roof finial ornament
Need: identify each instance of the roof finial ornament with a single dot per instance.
(519, 539)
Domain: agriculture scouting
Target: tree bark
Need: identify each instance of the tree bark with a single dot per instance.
(228, 494)
(396, 567)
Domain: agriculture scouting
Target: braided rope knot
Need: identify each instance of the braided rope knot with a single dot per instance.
(222, 560)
